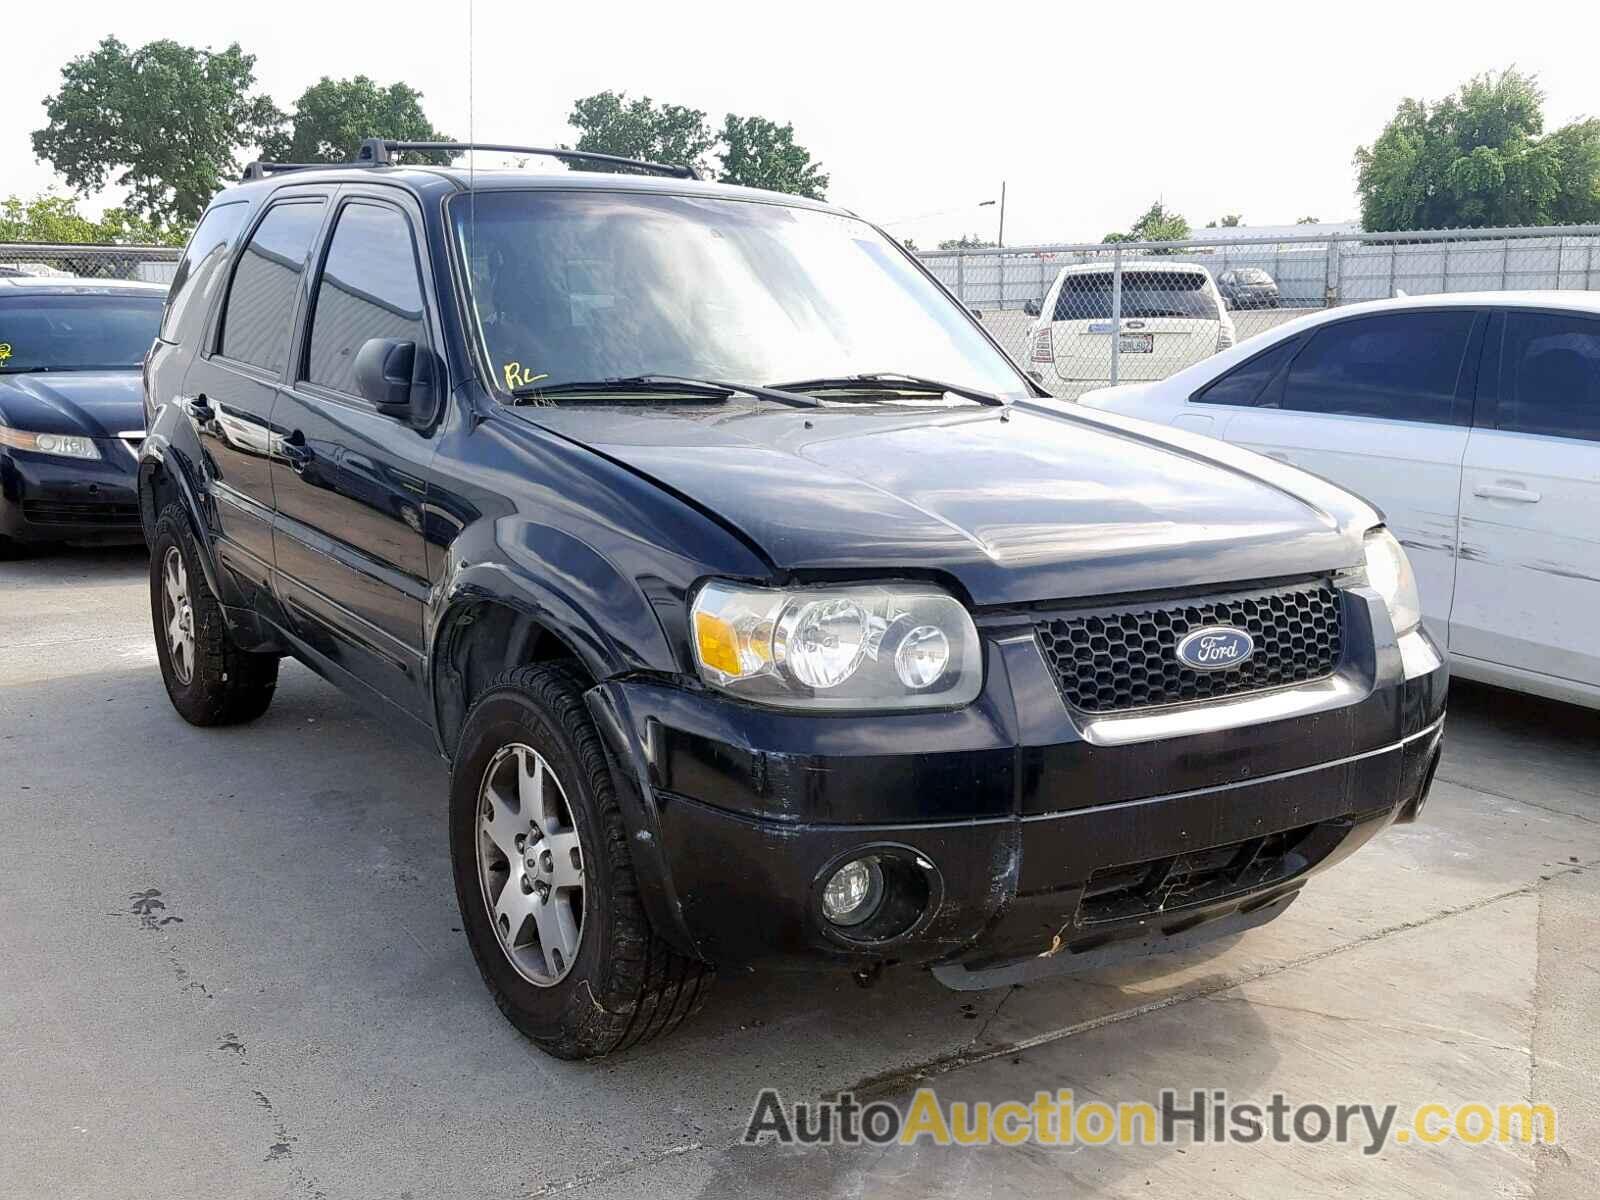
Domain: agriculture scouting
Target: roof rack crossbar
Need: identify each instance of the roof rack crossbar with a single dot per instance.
(378, 152)
(260, 170)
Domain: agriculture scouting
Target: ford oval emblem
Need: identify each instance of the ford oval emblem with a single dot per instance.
(1215, 648)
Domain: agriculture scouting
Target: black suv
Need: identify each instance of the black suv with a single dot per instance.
(763, 609)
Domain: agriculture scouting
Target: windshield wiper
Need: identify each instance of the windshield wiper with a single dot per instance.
(663, 385)
(891, 381)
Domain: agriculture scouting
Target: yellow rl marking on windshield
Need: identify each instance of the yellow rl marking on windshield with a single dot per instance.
(5, 351)
(518, 377)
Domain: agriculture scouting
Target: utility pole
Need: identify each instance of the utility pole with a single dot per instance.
(1000, 240)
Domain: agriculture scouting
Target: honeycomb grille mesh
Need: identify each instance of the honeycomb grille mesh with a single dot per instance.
(1116, 659)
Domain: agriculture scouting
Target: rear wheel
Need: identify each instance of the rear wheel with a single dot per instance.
(549, 901)
(210, 681)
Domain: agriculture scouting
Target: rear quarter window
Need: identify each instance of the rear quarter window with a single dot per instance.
(1245, 384)
(207, 250)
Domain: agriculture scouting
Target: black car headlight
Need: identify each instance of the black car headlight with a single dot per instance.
(888, 647)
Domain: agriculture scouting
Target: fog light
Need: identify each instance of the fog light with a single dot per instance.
(854, 892)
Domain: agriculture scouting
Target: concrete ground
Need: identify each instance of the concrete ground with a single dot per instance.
(231, 966)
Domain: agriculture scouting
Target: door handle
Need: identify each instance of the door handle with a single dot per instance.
(294, 451)
(1494, 491)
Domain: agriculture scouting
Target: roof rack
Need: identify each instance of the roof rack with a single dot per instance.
(378, 152)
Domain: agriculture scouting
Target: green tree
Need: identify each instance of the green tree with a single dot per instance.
(1227, 222)
(166, 120)
(760, 153)
(1479, 157)
(967, 241)
(333, 116)
(1308, 220)
(56, 220)
(1155, 225)
(610, 123)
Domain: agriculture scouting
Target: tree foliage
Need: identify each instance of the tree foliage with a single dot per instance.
(1308, 220)
(1479, 157)
(56, 219)
(760, 153)
(610, 123)
(1155, 225)
(967, 241)
(333, 116)
(171, 117)
(1228, 221)
(754, 151)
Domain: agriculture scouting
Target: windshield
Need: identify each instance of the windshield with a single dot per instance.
(1087, 297)
(583, 285)
(76, 333)
(1252, 275)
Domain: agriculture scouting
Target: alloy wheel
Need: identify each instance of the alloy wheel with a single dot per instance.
(530, 864)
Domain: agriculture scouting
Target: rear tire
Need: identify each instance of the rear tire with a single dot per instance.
(210, 681)
(565, 949)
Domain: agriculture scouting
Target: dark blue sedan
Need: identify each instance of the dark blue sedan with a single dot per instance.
(71, 409)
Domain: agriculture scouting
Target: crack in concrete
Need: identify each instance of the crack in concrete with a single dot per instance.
(609, 1174)
(1487, 791)
(1404, 1027)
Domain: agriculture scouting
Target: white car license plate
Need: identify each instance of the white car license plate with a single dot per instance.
(1137, 343)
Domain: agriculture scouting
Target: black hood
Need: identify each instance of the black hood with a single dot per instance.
(1026, 504)
(92, 403)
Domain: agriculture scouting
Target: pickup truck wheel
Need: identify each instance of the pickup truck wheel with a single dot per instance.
(210, 681)
(548, 897)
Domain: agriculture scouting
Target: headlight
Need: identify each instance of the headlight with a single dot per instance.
(63, 445)
(895, 646)
(1389, 574)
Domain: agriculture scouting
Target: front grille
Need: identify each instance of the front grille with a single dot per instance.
(50, 512)
(1110, 660)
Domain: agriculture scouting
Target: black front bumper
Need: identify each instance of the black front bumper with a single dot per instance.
(45, 498)
(1025, 829)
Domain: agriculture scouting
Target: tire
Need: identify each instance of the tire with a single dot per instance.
(621, 985)
(11, 549)
(210, 681)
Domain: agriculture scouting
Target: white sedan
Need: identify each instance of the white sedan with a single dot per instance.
(1473, 421)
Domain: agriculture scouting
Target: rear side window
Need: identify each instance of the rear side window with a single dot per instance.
(208, 248)
(1550, 375)
(1398, 367)
(260, 305)
(1145, 294)
(369, 289)
(1244, 384)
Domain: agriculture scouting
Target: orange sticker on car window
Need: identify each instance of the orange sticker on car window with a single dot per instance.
(518, 376)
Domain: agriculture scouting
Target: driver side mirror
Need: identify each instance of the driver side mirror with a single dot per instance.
(399, 378)
(1030, 308)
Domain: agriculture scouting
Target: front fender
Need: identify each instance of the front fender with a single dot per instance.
(168, 473)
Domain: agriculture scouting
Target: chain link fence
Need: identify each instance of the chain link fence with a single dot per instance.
(152, 264)
(1078, 317)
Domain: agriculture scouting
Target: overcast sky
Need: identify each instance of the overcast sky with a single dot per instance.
(1088, 112)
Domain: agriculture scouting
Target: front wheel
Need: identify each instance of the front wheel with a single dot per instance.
(210, 681)
(546, 886)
